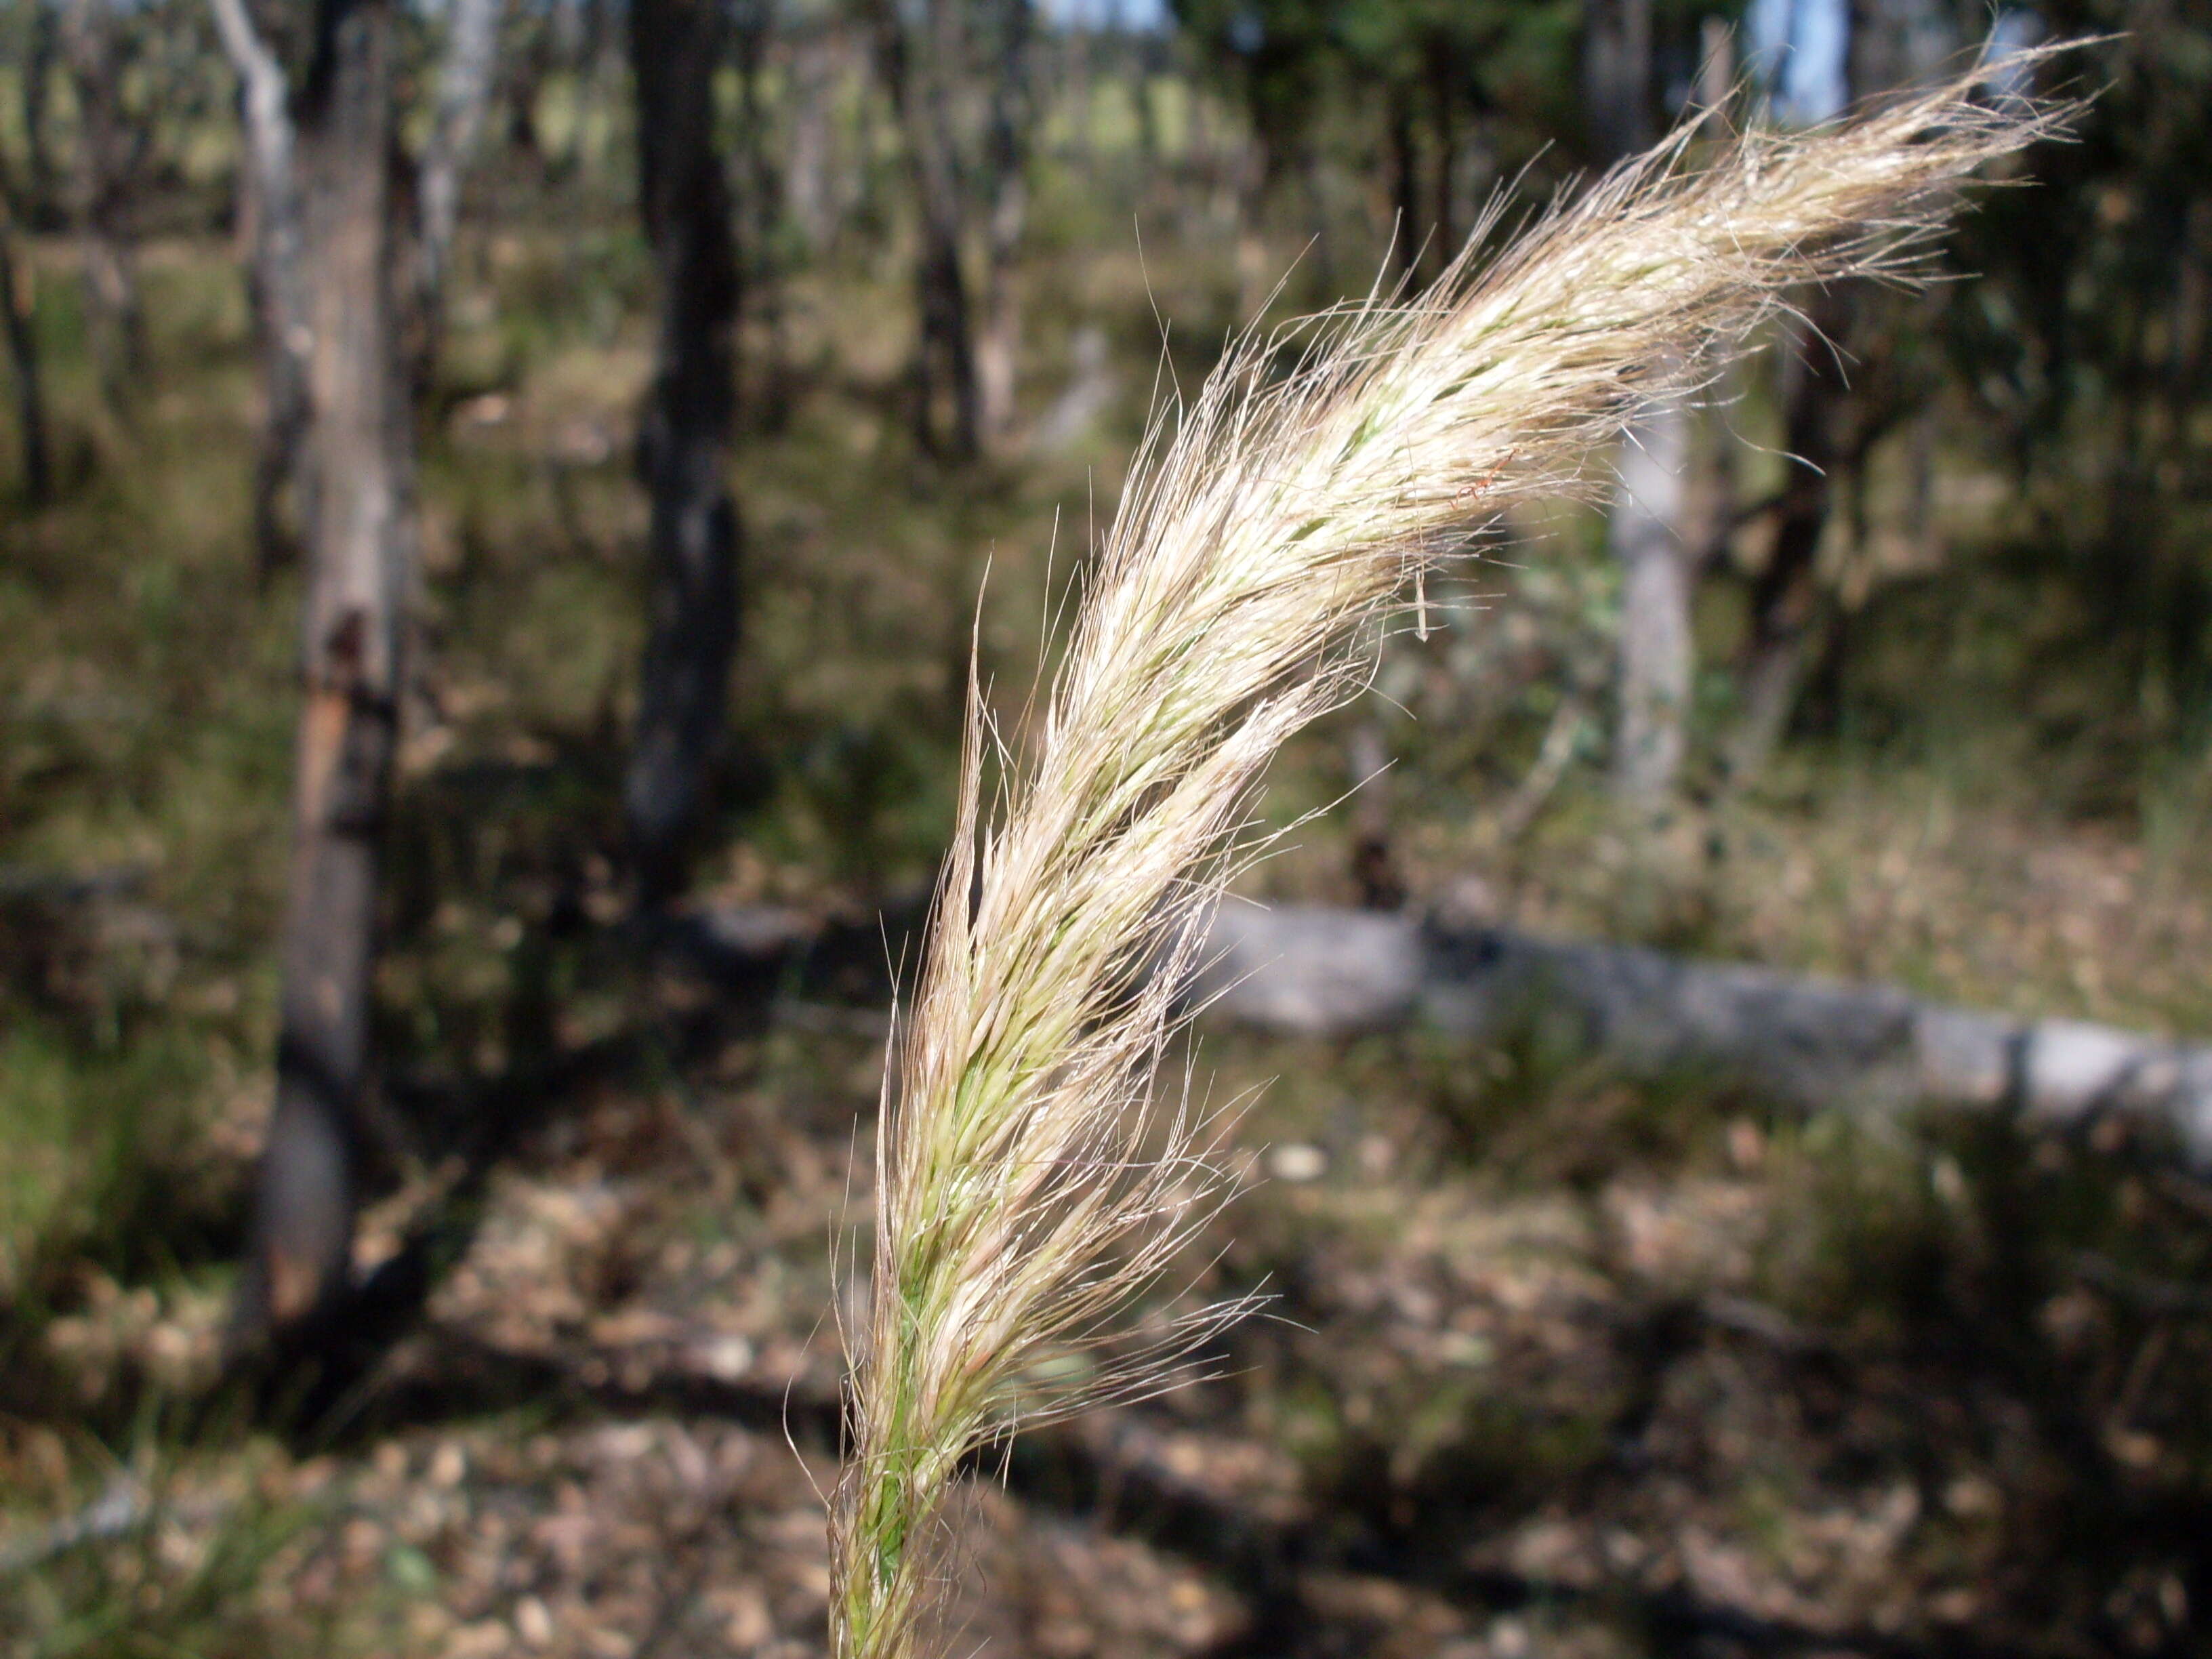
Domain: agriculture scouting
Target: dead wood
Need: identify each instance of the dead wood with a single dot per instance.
(1804, 1042)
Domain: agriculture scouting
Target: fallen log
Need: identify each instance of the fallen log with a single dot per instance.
(1805, 1041)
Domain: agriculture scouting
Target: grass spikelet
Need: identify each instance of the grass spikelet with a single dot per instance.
(1023, 1194)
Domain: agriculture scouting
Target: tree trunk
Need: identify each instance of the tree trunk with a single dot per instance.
(948, 349)
(1654, 667)
(808, 183)
(1656, 653)
(1444, 70)
(998, 349)
(1145, 65)
(18, 296)
(916, 75)
(759, 219)
(1785, 604)
(464, 89)
(39, 57)
(1376, 872)
(1617, 76)
(676, 46)
(91, 41)
(527, 67)
(359, 563)
(269, 187)
(1408, 243)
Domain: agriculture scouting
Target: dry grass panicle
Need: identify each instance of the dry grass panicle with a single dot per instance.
(1024, 1193)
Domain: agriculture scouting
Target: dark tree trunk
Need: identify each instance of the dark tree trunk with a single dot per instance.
(527, 66)
(1443, 68)
(1785, 607)
(1145, 54)
(1375, 871)
(684, 441)
(91, 36)
(1012, 114)
(1617, 76)
(1407, 243)
(353, 648)
(759, 218)
(18, 296)
(39, 58)
(944, 359)
(30, 382)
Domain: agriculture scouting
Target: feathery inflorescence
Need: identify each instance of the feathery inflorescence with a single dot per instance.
(1026, 1184)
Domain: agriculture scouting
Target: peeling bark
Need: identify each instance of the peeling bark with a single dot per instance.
(352, 650)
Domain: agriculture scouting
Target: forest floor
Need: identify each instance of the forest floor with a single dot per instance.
(1552, 1364)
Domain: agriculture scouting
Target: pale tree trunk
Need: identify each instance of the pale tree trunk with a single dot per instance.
(464, 90)
(1655, 654)
(683, 443)
(277, 254)
(92, 42)
(1012, 114)
(808, 186)
(1654, 667)
(359, 560)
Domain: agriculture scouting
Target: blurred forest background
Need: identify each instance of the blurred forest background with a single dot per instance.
(441, 1037)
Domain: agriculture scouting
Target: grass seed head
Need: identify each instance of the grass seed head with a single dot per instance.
(1030, 1181)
